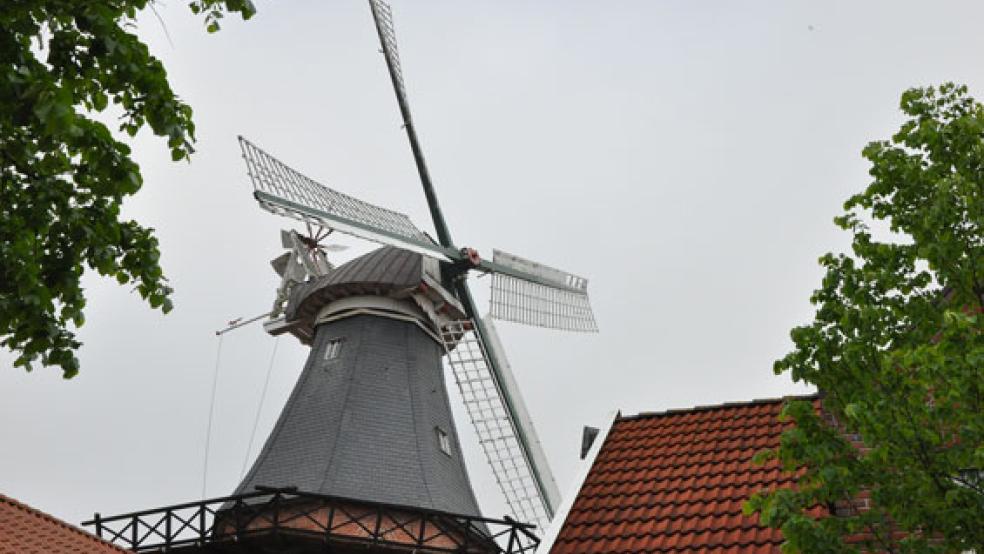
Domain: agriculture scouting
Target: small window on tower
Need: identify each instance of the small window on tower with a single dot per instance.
(443, 440)
(334, 349)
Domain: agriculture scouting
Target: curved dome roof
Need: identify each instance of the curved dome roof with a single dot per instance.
(387, 271)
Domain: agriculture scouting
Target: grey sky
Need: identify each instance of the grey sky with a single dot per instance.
(687, 157)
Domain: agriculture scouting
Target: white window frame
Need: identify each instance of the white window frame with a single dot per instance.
(334, 348)
(443, 440)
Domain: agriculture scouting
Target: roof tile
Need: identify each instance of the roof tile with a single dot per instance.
(25, 530)
(676, 481)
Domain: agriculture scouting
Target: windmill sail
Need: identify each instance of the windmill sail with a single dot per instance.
(545, 296)
(383, 16)
(505, 433)
(284, 191)
(521, 419)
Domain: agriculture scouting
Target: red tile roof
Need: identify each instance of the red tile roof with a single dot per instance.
(675, 482)
(25, 530)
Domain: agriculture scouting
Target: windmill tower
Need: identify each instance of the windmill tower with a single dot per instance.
(369, 417)
(365, 451)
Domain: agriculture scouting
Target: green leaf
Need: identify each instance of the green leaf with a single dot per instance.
(65, 175)
(896, 347)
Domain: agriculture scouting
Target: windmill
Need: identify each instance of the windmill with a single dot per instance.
(421, 282)
(364, 456)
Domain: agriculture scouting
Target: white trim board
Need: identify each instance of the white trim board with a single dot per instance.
(560, 517)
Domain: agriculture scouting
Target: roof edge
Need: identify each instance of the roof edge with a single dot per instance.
(556, 524)
(758, 401)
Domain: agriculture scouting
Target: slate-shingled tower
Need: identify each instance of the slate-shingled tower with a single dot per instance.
(369, 417)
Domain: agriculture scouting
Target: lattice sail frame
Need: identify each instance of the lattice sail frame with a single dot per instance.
(482, 396)
(282, 190)
(383, 16)
(564, 305)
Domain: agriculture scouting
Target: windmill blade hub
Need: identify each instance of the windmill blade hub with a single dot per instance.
(472, 256)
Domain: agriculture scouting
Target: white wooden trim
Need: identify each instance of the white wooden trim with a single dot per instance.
(557, 523)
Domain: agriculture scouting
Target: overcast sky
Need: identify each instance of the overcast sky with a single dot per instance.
(686, 157)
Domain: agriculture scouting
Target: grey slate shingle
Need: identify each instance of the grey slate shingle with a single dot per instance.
(364, 424)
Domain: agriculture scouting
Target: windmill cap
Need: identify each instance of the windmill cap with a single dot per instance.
(388, 272)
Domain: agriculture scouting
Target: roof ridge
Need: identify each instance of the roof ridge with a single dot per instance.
(707, 408)
(59, 522)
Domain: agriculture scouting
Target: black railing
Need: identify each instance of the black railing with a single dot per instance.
(291, 515)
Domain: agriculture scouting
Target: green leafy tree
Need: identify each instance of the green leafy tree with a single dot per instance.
(897, 350)
(64, 175)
